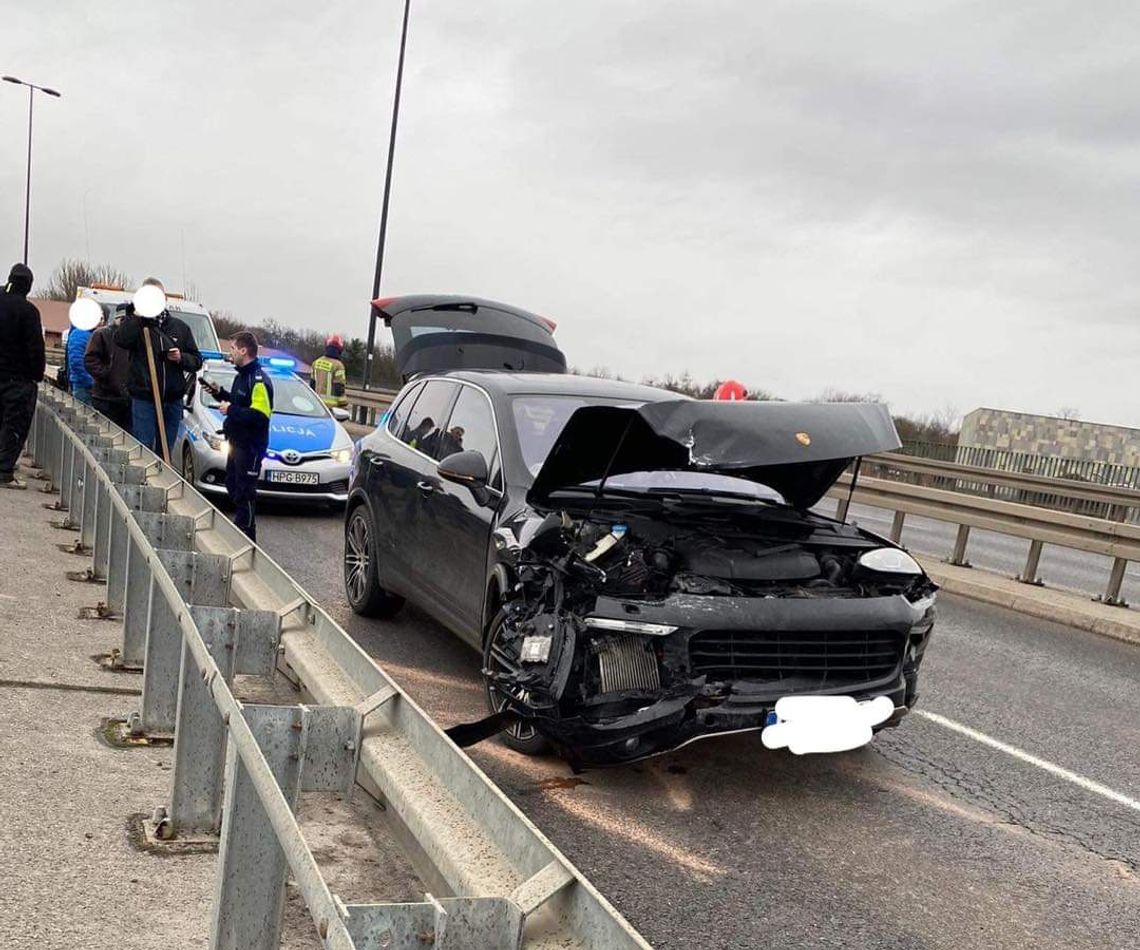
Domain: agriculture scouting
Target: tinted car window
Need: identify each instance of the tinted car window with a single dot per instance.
(539, 420)
(426, 419)
(398, 414)
(471, 427)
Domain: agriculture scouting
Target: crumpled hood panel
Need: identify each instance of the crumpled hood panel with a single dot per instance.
(796, 448)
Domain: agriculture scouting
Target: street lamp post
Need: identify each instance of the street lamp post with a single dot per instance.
(384, 205)
(32, 90)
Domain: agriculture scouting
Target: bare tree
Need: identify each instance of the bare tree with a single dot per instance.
(71, 274)
(839, 395)
(1071, 413)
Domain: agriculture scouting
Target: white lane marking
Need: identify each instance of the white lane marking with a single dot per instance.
(1079, 780)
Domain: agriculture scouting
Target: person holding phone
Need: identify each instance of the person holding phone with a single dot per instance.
(248, 407)
(176, 360)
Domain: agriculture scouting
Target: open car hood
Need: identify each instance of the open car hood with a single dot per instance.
(434, 333)
(797, 449)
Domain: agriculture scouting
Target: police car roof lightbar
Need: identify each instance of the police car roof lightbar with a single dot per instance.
(280, 362)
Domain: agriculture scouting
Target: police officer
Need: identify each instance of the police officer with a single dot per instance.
(247, 408)
(329, 377)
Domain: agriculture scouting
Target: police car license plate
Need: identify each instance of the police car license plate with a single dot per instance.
(294, 478)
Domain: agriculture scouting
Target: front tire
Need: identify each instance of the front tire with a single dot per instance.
(188, 472)
(361, 583)
(521, 736)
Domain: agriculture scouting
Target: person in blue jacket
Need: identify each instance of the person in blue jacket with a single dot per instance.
(79, 381)
(247, 406)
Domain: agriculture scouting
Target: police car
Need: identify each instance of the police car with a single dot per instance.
(309, 450)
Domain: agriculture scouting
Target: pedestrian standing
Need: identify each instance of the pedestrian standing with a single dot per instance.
(21, 369)
(79, 380)
(247, 407)
(175, 355)
(108, 363)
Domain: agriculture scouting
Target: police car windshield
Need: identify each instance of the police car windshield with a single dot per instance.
(291, 397)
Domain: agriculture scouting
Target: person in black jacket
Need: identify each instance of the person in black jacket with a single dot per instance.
(108, 363)
(247, 408)
(21, 368)
(175, 355)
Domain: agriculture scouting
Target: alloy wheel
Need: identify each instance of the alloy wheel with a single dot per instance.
(357, 557)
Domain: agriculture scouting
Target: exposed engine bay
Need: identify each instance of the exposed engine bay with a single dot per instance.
(636, 629)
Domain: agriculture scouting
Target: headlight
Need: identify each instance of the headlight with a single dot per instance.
(630, 626)
(344, 456)
(217, 442)
(889, 561)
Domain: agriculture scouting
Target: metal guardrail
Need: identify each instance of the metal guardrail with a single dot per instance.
(367, 405)
(200, 604)
(1040, 526)
(1111, 501)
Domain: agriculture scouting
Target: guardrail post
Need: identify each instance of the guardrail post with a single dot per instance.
(239, 641)
(138, 498)
(203, 578)
(897, 526)
(1032, 563)
(171, 532)
(1115, 580)
(959, 556)
(310, 748)
(103, 513)
(842, 507)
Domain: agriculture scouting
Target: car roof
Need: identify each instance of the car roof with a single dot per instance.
(512, 384)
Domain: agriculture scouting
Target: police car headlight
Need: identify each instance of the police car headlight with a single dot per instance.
(344, 456)
(218, 443)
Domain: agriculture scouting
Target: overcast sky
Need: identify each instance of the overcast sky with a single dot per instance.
(937, 201)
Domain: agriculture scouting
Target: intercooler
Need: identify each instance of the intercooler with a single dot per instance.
(627, 663)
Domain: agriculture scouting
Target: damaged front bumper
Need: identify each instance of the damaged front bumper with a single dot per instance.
(720, 668)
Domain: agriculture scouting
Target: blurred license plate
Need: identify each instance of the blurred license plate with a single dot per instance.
(294, 478)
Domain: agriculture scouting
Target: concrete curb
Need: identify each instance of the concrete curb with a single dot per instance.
(1064, 607)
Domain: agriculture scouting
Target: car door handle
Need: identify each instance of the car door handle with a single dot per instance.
(426, 488)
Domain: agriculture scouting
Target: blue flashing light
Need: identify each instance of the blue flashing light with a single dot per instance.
(211, 354)
(281, 362)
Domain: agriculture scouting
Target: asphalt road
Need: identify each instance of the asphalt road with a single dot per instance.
(926, 838)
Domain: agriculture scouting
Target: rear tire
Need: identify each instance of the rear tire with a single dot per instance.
(361, 583)
(522, 737)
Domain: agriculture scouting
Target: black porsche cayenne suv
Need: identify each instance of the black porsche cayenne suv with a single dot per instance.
(638, 570)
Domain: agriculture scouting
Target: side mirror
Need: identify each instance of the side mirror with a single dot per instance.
(467, 468)
(340, 414)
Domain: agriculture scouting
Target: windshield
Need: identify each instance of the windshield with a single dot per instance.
(202, 329)
(291, 397)
(540, 419)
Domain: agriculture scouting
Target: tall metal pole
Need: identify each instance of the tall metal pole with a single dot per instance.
(384, 206)
(28, 186)
(32, 90)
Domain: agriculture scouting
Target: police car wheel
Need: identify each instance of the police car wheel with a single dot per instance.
(365, 595)
(188, 465)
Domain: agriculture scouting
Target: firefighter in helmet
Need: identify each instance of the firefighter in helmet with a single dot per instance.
(328, 379)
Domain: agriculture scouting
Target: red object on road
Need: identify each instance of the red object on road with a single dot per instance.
(731, 389)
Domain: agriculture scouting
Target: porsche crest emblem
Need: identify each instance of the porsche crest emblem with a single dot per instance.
(803, 438)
